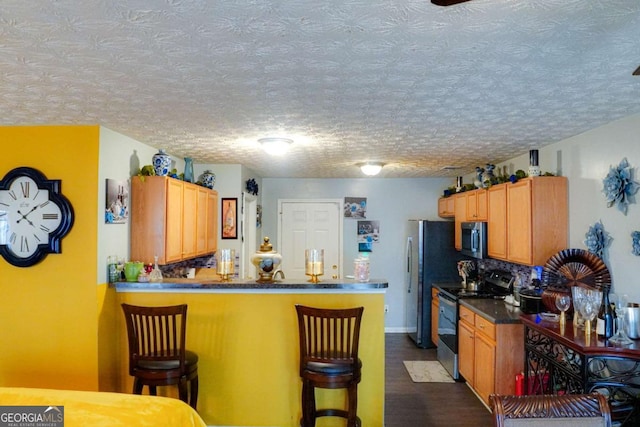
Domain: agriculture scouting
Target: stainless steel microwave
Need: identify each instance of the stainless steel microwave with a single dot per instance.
(474, 239)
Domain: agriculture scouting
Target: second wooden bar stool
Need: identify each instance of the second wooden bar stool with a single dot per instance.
(329, 359)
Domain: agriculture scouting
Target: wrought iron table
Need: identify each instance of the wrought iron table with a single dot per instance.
(569, 362)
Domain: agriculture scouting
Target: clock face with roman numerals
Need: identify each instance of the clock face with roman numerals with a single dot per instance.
(34, 216)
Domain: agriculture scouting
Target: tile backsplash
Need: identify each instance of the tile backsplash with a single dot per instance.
(494, 264)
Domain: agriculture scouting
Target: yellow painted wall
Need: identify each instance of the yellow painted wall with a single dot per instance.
(248, 350)
(48, 312)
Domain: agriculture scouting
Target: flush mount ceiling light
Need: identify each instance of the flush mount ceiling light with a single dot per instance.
(275, 146)
(371, 168)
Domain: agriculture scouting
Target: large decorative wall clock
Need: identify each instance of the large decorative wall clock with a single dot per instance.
(34, 216)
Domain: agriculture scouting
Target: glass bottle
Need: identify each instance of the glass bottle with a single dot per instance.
(156, 274)
(604, 325)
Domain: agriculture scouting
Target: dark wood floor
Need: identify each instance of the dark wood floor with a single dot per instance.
(409, 404)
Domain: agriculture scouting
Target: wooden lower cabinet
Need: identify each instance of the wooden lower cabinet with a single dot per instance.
(490, 355)
(466, 351)
(435, 311)
(484, 366)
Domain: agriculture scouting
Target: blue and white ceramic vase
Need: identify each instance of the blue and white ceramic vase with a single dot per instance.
(188, 169)
(161, 163)
(208, 179)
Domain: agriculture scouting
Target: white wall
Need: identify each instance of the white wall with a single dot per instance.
(390, 201)
(585, 160)
(120, 158)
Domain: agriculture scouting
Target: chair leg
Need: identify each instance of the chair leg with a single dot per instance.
(182, 390)
(353, 406)
(308, 405)
(193, 402)
(137, 386)
(153, 390)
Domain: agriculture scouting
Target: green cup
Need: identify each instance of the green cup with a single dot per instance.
(132, 270)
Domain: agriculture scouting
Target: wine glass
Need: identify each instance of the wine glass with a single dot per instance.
(589, 309)
(578, 298)
(563, 302)
(620, 337)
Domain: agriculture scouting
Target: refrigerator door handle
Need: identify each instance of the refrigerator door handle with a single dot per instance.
(409, 263)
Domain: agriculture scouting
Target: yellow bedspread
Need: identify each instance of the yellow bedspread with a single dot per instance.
(101, 409)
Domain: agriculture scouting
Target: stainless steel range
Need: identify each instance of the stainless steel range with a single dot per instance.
(496, 284)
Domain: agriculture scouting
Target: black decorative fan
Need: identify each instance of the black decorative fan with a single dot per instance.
(571, 267)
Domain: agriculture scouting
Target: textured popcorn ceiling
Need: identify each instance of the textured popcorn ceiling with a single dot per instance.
(405, 82)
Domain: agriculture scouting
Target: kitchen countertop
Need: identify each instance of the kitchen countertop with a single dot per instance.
(447, 285)
(203, 285)
(494, 310)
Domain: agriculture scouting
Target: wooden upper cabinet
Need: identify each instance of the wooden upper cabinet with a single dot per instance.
(212, 222)
(460, 209)
(537, 219)
(172, 219)
(201, 222)
(172, 224)
(476, 205)
(497, 221)
(446, 207)
(189, 221)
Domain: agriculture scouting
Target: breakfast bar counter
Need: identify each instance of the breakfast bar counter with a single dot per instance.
(246, 336)
(172, 285)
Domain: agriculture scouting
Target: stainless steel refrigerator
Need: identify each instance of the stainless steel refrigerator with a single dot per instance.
(431, 258)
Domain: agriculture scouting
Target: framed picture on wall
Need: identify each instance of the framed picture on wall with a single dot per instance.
(117, 202)
(229, 218)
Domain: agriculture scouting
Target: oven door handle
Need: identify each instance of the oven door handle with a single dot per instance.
(446, 299)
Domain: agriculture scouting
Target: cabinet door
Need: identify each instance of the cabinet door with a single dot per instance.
(519, 222)
(173, 242)
(466, 354)
(460, 216)
(446, 207)
(201, 221)
(472, 205)
(435, 305)
(481, 205)
(484, 368)
(212, 221)
(497, 222)
(189, 222)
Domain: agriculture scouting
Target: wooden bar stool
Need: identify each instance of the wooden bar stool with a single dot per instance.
(329, 359)
(157, 354)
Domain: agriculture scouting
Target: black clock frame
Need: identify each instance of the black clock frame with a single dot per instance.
(53, 245)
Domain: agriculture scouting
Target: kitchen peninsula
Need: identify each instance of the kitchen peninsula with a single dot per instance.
(246, 336)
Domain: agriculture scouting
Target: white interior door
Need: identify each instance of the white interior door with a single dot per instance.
(310, 224)
(249, 235)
